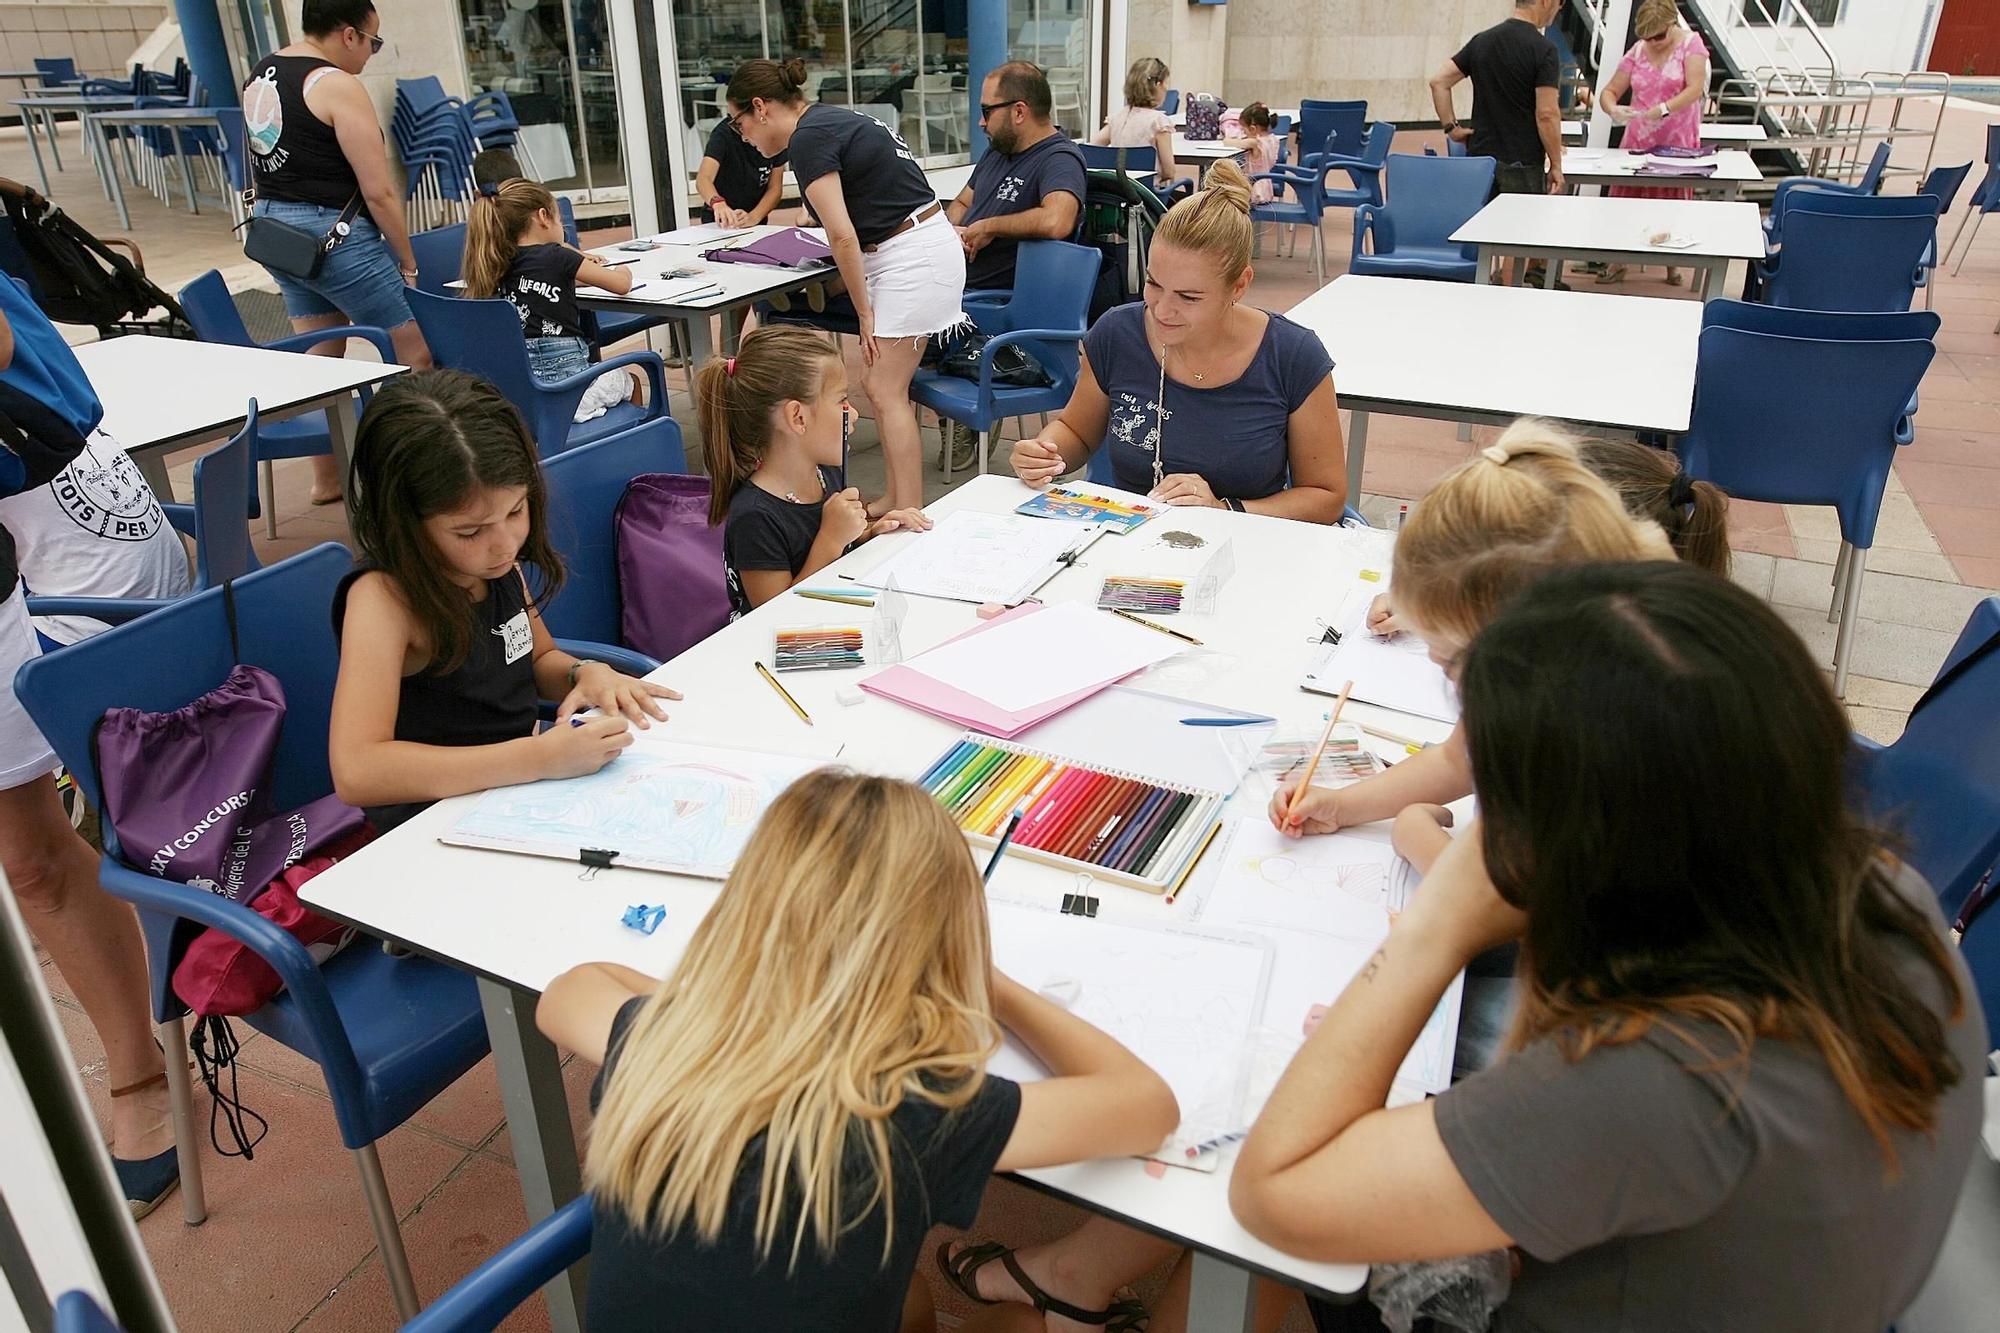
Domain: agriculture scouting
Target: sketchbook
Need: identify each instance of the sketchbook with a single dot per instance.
(1340, 892)
(977, 557)
(1084, 503)
(1396, 672)
(669, 806)
(1182, 998)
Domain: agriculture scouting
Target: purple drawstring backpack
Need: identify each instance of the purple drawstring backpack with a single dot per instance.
(672, 590)
(793, 247)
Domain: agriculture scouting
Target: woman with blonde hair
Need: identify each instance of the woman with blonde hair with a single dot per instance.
(1200, 398)
(1666, 71)
(1140, 123)
(783, 1118)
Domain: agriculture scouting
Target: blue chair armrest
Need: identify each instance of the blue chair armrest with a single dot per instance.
(110, 610)
(1013, 336)
(270, 942)
(1341, 162)
(1370, 218)
(1285, 171)
(627, 660)
(485, 1297)
(656, 374)
(990, 294)
(181, 516)
(368, 333)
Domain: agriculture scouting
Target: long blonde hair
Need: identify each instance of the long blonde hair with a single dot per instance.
(1214, 221)
(844, 969)
(1518, 508)
(493, 230)
(734, 395)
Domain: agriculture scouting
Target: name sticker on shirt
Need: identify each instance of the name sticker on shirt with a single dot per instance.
(520, 640)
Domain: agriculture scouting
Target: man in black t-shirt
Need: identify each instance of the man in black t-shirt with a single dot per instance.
(1028, 185)
(739, 185)
(1516, 121)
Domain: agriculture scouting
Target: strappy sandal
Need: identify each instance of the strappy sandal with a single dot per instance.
(962, 1271)
(148, 1180)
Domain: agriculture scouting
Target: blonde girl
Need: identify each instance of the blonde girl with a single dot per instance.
(443, 654)
(1494, 525)
(514, 249)
(782, 1119)
(1140, 123)
(775, 421)
(1202, 399)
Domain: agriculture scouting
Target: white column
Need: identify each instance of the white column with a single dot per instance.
(1615, 16)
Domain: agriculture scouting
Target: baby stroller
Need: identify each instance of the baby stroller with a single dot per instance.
(1119, 215)
(75, 277)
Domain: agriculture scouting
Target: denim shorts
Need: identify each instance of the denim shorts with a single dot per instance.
(359, 279)
(552, 359)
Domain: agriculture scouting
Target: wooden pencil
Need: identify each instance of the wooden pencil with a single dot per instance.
(1312, 765)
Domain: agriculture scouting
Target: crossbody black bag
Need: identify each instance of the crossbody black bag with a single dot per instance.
(281, 247)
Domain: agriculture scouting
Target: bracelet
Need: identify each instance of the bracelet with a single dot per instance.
(1235, 504)
(574, 667)
(408, 272)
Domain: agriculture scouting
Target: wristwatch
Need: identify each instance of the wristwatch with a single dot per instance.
(1448, 128)
(1235, 504)
(715, 199)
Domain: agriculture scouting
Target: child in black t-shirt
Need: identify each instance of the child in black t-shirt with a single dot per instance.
(514, 249)
(774, 423)
(739, 185)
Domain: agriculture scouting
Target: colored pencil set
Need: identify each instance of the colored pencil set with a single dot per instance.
(1127, 592)
(818, 649)
(1116, 825)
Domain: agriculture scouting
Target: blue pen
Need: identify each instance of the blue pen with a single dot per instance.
(1226, 721)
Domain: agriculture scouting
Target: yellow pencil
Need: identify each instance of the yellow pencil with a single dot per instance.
(1002, 799)
(995, 780)
(1312, 765)
(783, 693)
(1199, 852)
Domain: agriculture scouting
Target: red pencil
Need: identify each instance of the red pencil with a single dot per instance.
(1053, 800)
(1091, 820)
(1075, 804)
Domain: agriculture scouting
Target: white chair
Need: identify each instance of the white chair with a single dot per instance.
(943, 109)
(1066, 91)
(886, 112)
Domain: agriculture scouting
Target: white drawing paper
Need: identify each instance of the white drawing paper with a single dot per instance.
(1030, 659)
(1394, 672)
(976, 557)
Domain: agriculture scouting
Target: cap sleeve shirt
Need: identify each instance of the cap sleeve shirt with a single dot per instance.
(1236, 436)
(1649, 1193)
(541, 286)
(941, 1161)
(879, 178)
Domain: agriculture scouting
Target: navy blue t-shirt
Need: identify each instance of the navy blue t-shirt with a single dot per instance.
(766, 531)
(1235, 436)
(1003, 185)
(880, 181)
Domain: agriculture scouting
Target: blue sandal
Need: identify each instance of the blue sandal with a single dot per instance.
(146, 1181)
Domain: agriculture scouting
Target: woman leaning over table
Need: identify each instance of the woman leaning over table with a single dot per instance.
(1666, 72)
(1201, 399)
(899, 257)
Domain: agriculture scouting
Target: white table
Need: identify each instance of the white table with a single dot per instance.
(518, 921)
(743, 285)
(163, 394)
(1720, 132)
(1734, 169)
(42, 104)
(1581, 228)
(1452, 351)
(1203, 153)
(101, 125)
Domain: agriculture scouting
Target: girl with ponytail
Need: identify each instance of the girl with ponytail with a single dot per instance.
(514, 249)
(774, 425)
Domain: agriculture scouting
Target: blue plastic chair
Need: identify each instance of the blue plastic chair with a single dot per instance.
(1429, 198)
(1329, 127)
(1985, 198)
(1937, 787)
(1363, 170)
(217, 320)
(1830, 446)
(79, 1312)
(1980, 946)
(480, 1301)
(222, 549)
(440, 256)
(1942, 184)
(389, 1033)
(484, 338)
(1856, 253)
(1098, 157)
(1048, 314)
(1312, 194)
(1170, 101)
(585, 485)
(57, 71)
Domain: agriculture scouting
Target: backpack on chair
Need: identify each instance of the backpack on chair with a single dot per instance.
(1204, 117)
(75, 277)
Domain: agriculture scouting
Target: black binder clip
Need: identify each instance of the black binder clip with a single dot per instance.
(1079, 904)
(593, 860)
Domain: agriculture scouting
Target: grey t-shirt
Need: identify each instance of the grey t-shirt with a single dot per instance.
(1649, 1195)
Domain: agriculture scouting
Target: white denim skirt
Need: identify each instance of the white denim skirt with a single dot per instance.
(916, 280)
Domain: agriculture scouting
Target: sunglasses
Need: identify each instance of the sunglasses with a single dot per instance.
(988, 108)
(375, 41)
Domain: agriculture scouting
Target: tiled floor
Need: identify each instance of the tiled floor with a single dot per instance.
(288, 1244)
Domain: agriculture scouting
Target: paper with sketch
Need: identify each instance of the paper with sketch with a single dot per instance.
(1181, 998)
(1030, 660)
(686, 809)
(1396, 672)
(1339, 891)
(975, 557)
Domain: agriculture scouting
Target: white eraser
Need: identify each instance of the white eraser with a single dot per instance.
(850, 695)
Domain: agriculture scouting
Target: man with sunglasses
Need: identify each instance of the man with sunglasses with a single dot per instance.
(317, 162)
(1028, 185)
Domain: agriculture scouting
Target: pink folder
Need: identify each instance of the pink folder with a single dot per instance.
(911, 687)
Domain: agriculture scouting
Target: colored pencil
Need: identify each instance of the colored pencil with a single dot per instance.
(1193, 861)
(1142, 815)
(956, 752)
(1312, 764)
(1091, 827)
(1141, 620)
(784, 693)
(995, 780)
(1175, 851)
(1124, 803)
(970, 776)
(1149, 850)
(831, 597)
(1082, 799)
(1046, 811)
(1007, 795)
(1000, 848)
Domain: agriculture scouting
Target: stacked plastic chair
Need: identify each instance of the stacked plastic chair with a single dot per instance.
(437, 136)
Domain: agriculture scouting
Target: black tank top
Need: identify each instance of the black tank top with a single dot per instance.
(294, 155)
(489, 698)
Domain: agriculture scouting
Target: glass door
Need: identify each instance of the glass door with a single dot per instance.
(553, 60)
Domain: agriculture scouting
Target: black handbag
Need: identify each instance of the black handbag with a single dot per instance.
(1012, 366)
(281, 247)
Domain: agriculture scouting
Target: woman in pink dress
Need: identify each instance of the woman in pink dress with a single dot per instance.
(1666, 72)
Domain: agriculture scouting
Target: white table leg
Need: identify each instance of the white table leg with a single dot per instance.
(28, 119)
(55, 143)
(1357, 453)
(152, 464)
(1483, 275)
(1220, 1295)
(1554, 268)
(114, 186)
(531, 1090)
(1714, 279)
(340, 427)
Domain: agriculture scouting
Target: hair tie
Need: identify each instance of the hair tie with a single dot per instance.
(489, 190)
(1496, 453)
(1680, 495)
(729, 367)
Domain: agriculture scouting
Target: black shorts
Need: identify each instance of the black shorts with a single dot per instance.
(1516, 178)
